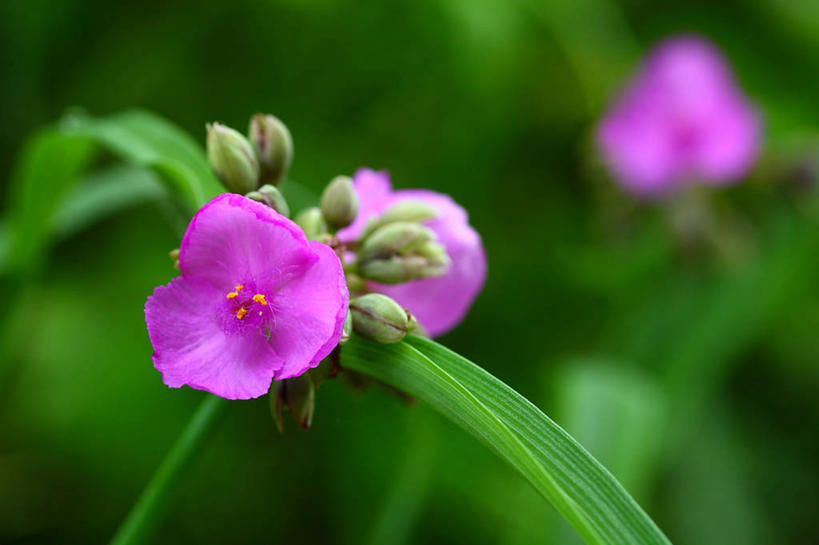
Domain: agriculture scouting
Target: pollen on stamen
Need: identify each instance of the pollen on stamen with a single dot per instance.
(259, 298)
(241, 313)
(235, 293)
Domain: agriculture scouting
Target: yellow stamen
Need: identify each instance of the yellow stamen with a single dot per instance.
(259, 298)
(241, 313)
(239, 287)
(260, 313)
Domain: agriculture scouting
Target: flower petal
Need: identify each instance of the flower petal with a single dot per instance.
(190, 348)
(729, 144)
(233, 239)
(309, 314)
(683, 118)
(639, 148)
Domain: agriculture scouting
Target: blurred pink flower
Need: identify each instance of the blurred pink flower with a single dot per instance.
(439, 303)
(682, 118)
(255, 301)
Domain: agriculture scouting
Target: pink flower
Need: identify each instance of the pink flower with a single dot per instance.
(255, 301)
(682, 118)
(438, 303)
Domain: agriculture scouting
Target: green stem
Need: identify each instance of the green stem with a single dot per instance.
(152, 504)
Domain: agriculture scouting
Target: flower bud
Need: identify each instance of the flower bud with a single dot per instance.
(395, 238)
(413, 326)
(399, 252)
(298, 394)
(406, 211)
(339, 202)
(400, 269)
(232, 159)
(379, 318)
(271, 196)
(273, 145)
(312, 222)
(435, 255)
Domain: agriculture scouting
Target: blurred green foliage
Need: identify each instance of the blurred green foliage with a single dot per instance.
(682, 352)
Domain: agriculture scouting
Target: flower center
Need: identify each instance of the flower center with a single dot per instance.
(244, 308)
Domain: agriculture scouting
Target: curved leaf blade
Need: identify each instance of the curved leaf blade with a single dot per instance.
(56, 158)
(145, 139)
(48, 167)
(584, 493)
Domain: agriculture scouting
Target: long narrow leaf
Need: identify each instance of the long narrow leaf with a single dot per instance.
(49, 166)
(584, 493)
(103, 193)
(601, 498)
(56, 158)
(145, 139)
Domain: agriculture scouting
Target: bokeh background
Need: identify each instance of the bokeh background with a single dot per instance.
(678, 340)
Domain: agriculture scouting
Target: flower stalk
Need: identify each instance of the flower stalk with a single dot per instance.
(147, 514)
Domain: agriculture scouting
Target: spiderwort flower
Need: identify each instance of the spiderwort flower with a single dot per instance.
(682, 118)
(256, 301)
(440, 302)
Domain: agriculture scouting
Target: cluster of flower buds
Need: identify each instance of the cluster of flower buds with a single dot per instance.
(246, 164)
(393, 248)
(401, 251)
(262, 303)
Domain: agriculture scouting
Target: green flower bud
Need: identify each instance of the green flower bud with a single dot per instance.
(392, 270)
(413, 326)
(298, 394)
(435, 254)
(232, 159)
(399, 269)
(396, 238)
(273, 145)
(339, 202)
(312, 222)
(403, 211)
(379, 318)
(399, 252)
(271, 196)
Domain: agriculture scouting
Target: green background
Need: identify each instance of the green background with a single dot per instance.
(676, 340)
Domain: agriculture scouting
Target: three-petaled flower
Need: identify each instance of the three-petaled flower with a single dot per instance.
(256, 301)
(681, 119)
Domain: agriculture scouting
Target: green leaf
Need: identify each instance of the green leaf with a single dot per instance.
(49, 165)
(101, 194)
(145, 139)
(55, 159)
(617, 412)
(582, 491)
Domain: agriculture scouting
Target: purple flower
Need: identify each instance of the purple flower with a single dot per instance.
(438, 303)
(256, 301)
(682, 118)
